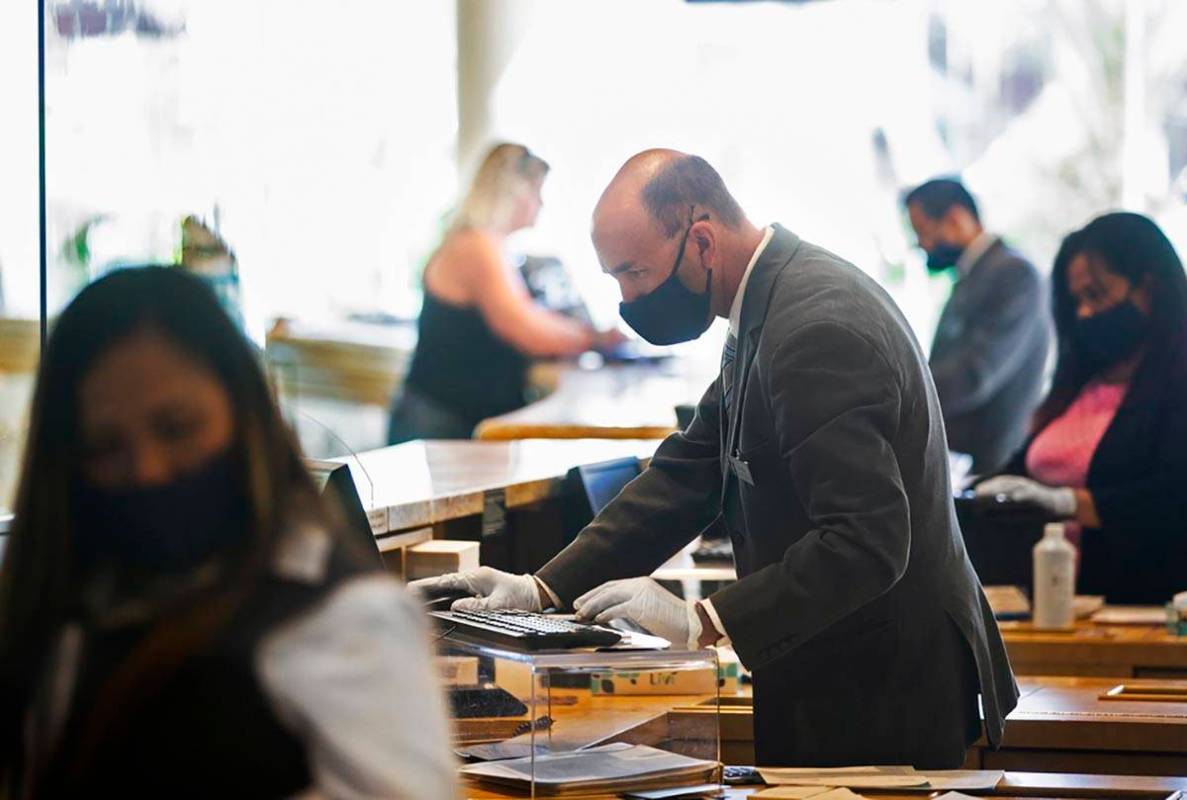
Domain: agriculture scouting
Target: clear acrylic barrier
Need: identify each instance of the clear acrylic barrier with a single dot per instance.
(565, 722)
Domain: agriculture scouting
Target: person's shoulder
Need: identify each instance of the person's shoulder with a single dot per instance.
(821, 287)
(375, 599)
(475, 256)
(813, 270)
(1004, 260)
(365, 606)
(470, 242)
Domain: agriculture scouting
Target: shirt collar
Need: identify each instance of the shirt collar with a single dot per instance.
(972, 254)
(736, 307)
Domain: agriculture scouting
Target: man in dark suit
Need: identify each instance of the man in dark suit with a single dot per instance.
(990, 346)
(820, 452)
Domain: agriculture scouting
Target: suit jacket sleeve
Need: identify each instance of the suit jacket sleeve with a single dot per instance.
(836, 403)
(993, 346)
(676, 497)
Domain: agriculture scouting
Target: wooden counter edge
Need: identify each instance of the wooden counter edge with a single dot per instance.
(1071, 786)
(496, 430)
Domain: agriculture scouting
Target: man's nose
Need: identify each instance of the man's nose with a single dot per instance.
(629, 293)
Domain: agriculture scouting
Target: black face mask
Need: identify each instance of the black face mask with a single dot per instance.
(170, 528)
(943, 256)
(670, 313)
(1111, 335)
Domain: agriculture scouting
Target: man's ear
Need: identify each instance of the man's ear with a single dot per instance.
(959, 224)
(949, 225)
(704, 239)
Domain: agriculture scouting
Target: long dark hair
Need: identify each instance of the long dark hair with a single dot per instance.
(1132, 246)
(39, 579)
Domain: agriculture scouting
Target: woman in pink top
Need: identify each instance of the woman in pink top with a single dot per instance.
(1108, 450)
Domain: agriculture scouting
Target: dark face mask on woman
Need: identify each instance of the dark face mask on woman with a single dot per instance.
(168, 528)
(670, 313)
(1112, 335)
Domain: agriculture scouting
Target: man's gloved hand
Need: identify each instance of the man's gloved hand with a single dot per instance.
(1057, 501)
(646, 603)
(492, 590)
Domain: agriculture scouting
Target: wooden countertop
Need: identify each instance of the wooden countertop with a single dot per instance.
(621, 401)
(1130, 651)
(352, 361)
(363, 363)
(1069, 713)
(417, 484)
(647, 720)
(20, 343)
(1061, 724)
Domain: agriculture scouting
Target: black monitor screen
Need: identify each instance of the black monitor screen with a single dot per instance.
(603, 481)
(335, 481)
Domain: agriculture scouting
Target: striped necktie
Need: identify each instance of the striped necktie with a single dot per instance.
(727, 368)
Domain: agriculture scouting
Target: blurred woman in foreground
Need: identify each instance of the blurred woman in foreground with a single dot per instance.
(179, 615)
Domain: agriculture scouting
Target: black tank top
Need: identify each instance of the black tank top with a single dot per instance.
(462, 365)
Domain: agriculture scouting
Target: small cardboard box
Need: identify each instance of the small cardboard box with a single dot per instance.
(657, 681)
(438, 557)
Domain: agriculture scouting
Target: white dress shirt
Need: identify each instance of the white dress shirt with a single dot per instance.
(735, 321)
(736, 306)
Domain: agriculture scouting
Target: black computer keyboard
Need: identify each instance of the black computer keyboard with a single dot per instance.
(526, 630)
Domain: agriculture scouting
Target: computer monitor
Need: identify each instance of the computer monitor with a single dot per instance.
(337, 485)
(5, 522)
(593, 486)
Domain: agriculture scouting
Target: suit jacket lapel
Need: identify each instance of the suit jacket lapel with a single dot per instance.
(778, 254)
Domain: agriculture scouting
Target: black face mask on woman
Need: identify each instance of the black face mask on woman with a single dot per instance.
(168, 528)
(1111, 335)
(670, 313)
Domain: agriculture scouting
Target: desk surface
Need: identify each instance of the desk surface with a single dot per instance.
(1069, 714)
(618, 401)
(1016, 785)
(355, 362)
(1129, 651)
(421, 483)
(603, 719)
(1060, 725)
(1062, 713)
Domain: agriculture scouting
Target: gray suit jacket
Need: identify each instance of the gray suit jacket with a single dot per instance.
(856, 606)
(988, 356)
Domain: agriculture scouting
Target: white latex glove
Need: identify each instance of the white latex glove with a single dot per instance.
(492, 590)
(647, 604)
(1058, 501)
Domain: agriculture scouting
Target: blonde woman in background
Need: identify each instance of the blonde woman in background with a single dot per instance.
(479, 328)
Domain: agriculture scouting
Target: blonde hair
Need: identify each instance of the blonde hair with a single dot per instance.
(507, 173)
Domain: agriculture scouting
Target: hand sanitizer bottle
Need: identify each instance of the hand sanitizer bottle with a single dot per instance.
(1054, 579)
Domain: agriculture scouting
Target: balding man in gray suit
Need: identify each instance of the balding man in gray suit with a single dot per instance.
(820, 451)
